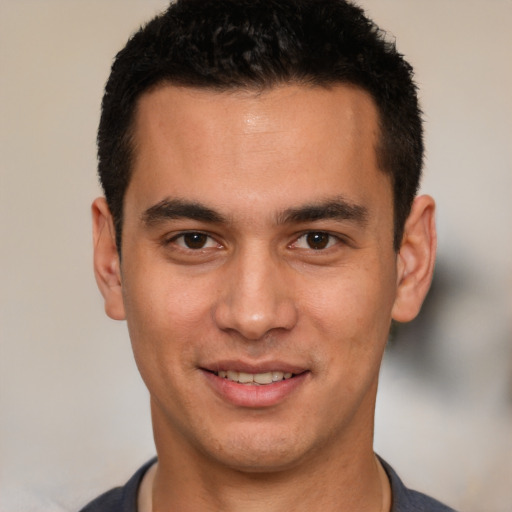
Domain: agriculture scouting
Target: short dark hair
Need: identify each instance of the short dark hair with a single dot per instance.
(258, 44)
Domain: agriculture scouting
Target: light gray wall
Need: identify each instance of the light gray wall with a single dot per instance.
(74, 418)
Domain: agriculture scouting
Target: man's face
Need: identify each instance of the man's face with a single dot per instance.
(258, 246)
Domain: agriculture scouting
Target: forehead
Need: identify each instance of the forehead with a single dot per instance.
(344, 110)
(296, 139)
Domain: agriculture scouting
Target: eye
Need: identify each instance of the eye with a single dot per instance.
(194, 240)
(316, 240)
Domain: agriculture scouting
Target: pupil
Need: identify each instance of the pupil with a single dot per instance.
(194, 240)
(317, 240)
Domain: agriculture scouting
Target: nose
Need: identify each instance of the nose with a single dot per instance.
(256, 297)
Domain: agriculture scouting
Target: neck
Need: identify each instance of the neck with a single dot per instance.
(330, 481)
(255, 495)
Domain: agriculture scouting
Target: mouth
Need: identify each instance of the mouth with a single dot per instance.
(250, 386)
(254, 379)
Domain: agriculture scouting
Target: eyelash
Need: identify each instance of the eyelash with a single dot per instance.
(207, 238)
(330, 242)
(324, 239)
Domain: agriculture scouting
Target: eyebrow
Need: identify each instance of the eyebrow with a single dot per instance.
(169, 209)
(337, 209)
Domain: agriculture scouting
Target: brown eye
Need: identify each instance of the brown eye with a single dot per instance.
(195, 240)
(317, 240)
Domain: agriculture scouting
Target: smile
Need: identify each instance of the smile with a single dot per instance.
(251, 386)
(255, 379)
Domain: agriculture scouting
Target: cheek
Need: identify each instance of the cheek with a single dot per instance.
(353, 299)
(351, 314)
(164, 313)
(158, 294)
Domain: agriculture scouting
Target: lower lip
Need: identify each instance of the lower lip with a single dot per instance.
(254, 396)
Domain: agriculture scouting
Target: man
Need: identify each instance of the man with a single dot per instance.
(260, 161)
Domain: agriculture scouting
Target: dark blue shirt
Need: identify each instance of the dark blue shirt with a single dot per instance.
(124, 499)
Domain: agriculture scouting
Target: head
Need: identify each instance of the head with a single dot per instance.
(260, 161)
(256, 45)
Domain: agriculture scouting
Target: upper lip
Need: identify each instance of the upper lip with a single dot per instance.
(248, 367)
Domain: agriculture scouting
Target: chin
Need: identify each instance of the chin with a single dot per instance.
(257, 462)
(261, 452)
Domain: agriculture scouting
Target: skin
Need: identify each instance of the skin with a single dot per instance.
(249, 287)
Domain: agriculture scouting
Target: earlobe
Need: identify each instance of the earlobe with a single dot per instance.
(106, 259)
(415, 263)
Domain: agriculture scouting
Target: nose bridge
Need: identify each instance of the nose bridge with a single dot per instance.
(255, 297)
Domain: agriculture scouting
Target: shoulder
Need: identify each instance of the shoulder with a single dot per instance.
(120, 499)
(418, 502)
(407, 500)
(111, 501)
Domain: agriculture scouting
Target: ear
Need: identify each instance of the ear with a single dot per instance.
(107, 267)
(415, 260)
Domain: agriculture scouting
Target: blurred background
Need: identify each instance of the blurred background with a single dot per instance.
(74, 414)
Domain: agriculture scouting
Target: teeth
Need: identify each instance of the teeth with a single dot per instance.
(264, 378)
(245, 378)
(254, 378)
